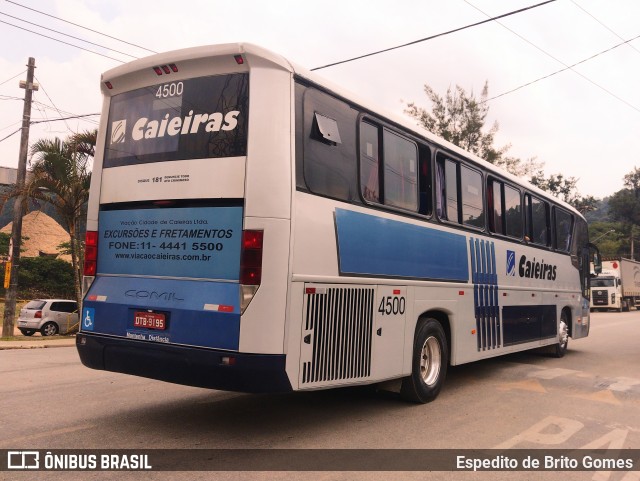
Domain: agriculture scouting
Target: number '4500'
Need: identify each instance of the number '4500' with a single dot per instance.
(392, 305)
(170, 90)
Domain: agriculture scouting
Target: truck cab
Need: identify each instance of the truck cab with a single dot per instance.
(606, 292)
(617, 286)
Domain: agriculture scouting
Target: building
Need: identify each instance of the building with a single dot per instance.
(41, 236)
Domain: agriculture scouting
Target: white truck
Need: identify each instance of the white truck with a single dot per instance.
(618, 286)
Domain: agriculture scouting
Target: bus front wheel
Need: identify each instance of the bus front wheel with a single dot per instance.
(429, 363)
(560, 349)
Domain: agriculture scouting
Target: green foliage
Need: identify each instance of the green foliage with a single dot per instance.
(5, 239)
(61, 177)
(610, 237)
(459, 118)
(45, 277)
(564, 188)
(600, 213)
(624, 206)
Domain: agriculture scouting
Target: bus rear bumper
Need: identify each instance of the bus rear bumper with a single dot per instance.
(192, 366)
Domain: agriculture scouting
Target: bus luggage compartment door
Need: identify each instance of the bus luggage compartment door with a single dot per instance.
(351, 333)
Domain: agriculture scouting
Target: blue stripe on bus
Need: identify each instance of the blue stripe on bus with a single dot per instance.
(485, 293)
(193, 315)
(377, 246)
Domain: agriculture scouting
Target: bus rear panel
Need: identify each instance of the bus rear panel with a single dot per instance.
(176, 252)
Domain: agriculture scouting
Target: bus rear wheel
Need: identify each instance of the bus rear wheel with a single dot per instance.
(429, 363)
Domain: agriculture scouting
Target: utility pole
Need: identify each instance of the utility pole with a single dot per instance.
(18, 207)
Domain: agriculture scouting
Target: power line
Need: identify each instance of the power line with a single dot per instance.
(62, 41)
(54, 105)
(63, 118)
(10, 79)
(601, 23)
(434, 36)
(568, 67)
(81, 26)
(12, 133)
(10, 125)
(60, 112)
(47, 121)
(67, 35)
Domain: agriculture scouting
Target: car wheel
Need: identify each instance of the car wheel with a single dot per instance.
(28, 332)
(49, 329)
(429, 363)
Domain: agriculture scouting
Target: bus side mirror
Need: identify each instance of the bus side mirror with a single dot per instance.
(597, 260)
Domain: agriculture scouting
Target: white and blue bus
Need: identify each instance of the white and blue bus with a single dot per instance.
(253, 228)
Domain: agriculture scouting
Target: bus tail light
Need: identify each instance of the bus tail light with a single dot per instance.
(250, 266)
(91, 253)
(166, 69)
(90, 259)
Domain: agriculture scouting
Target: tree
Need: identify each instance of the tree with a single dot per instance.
(564, 188)
(460, 119)
(45, 277)
(61, 176)
(632, 182)
(624, 205)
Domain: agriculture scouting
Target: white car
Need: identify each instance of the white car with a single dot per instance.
(49, 316)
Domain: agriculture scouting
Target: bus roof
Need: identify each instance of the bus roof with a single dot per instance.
(253, 53)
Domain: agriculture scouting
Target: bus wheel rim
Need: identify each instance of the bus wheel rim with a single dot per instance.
(564, 333)
(430, 361)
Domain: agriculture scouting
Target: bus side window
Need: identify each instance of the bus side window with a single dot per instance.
(400, 171)
(388, 167)
(563, 224)
(512, 212)
(495, 206)
(537, 212)
(328, 146)
(425, 182)
(505, 209)
(369, 162)
(447, 191)
(472, 197)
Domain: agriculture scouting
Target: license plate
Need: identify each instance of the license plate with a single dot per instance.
(150, 320)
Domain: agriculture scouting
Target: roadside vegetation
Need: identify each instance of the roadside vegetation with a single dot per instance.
(459, 117)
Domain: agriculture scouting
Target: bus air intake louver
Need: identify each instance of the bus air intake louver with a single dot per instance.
(338, 328)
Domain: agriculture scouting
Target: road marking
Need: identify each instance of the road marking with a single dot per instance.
(604, 396)
(526, 385)
(33, 437)
(553, 373)
(551, 430)
(624, 384)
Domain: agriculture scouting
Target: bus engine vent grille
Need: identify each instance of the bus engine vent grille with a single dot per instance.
(338, 332)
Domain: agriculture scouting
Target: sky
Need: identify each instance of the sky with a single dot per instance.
(583, 122)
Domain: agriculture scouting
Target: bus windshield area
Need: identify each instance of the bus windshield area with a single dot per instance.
(603, 282)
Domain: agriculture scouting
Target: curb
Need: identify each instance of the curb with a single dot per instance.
(39, 344)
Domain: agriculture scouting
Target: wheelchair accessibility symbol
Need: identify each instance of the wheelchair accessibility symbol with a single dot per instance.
(88, 316)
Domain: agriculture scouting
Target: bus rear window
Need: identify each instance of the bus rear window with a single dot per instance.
(187, 119)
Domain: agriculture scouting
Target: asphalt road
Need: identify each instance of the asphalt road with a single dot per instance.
(588, 399)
